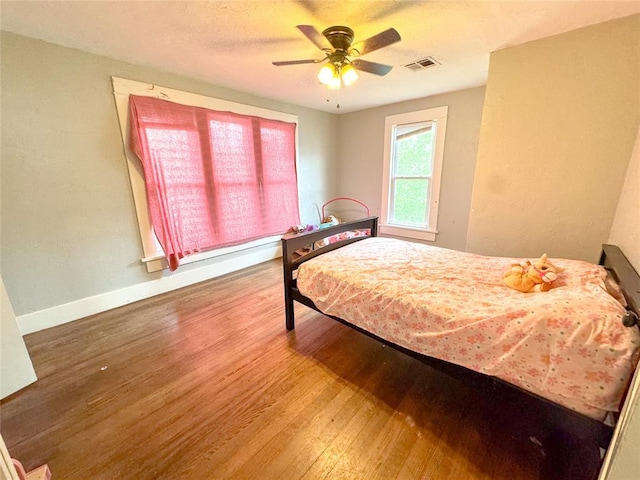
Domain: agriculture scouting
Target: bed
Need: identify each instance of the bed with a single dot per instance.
(569, 352)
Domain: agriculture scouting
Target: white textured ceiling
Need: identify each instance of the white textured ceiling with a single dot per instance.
(232, 43)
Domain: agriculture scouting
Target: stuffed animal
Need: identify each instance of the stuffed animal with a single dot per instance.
(330, 220)
(531, 277)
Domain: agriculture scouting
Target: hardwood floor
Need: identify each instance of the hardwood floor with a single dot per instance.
(205, 383)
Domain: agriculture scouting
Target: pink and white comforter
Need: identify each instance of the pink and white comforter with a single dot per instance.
(567, 345)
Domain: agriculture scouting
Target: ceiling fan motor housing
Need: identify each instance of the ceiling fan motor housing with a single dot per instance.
(339, 37)
(336, 43)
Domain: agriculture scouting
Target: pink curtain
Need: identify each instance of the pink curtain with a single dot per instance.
(213, 178)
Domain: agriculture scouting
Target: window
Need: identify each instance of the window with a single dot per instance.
(414, 148)
(213, 178)
(266, 169)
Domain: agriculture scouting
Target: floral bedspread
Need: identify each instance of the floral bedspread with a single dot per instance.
(567, 345)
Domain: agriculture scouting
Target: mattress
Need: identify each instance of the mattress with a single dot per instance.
(567, 345)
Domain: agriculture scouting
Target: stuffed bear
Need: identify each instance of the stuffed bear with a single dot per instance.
(531, 277)
(330, 221)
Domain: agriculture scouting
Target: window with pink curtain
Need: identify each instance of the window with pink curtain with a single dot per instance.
(213, 179)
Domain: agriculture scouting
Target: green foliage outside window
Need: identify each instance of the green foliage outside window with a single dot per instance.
(413, 165)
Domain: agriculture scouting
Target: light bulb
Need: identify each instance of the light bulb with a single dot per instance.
(335, 82)
(326, 73)
(349, 75)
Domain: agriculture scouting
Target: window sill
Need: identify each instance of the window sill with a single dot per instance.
(158, 262)
(408, 232)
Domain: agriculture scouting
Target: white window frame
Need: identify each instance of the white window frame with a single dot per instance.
(438, 118)
(153, 256)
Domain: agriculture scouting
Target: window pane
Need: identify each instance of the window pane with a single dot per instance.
(413, 151)
(177, 154)
(235, 204)
(178, 163)
(410, 201)
(232, 150)
(278, 152)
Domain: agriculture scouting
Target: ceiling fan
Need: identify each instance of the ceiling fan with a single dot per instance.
(337, 44)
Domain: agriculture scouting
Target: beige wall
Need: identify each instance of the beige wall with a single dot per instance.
(68, 225)
(558, 128)
(625, 231)
(362, 156)
(622, 461)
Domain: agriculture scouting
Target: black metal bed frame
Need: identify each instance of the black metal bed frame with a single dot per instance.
(535, 416)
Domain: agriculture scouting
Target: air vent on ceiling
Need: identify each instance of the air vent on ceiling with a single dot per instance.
(421, 64)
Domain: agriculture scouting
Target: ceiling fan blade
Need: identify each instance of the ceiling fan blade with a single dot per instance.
(295, 62)
(374, 43)
(371, 67)
(315, 36)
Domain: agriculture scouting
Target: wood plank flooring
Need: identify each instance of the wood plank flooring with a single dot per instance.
(205, 383)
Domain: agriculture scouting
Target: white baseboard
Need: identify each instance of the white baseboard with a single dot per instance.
(68, 312)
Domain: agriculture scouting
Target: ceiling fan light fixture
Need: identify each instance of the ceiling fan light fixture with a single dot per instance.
(335, 82)
(349, 75)
(337, 45)
(327, 73)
